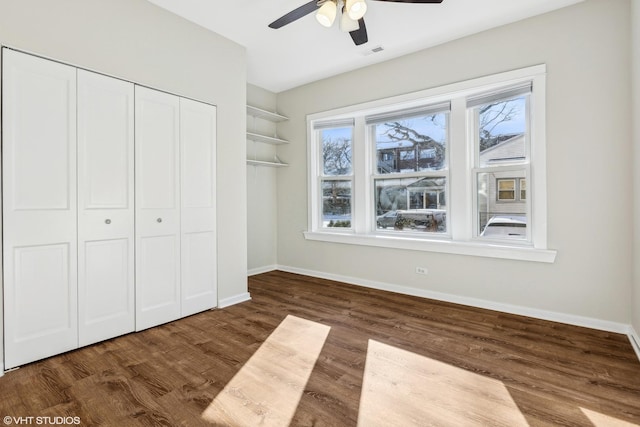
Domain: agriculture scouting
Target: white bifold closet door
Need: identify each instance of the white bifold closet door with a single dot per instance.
(158, 297)
(175, 207)
(39, 208)
(108, 207)
(106, 270)
(198, 213)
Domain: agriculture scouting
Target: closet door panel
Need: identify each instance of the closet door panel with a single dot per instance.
(198, 272)
(198, 213)
(42, 302)
(105, 207)
(106, 287)
(105, 140)
(157, 256)
(39, 208)
(157, 168)
(158, 282)
(41, 277)
(198, 137)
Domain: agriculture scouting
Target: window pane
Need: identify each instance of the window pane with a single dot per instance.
(411, 204)
(415, 144)
(336, 204)
(523, 189)
(502, 127)
(336, 151)
(497, 219)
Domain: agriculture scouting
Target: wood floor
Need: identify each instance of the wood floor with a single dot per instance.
(311, 352)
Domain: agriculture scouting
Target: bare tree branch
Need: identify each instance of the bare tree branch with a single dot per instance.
(491, 116)
(397, 131)
(336, 155)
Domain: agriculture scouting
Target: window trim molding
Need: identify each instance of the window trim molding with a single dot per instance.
(457, 241)
(480, 249)
(440, 94)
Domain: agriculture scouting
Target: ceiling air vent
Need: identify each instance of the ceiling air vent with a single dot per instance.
(374, 50)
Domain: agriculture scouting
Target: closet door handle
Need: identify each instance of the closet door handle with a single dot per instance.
(107, 221)
(159, 219)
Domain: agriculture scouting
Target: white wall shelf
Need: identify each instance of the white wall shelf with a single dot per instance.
(264, 114)
(267, 164)
(259, 113)
(274, 140)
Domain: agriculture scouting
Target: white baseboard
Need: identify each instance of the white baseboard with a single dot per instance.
(260, 270)
(236, 299)
(635, 340)
(553, 316)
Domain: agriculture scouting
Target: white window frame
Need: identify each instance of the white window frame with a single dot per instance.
(321, 177)
(516, 166)
(461, 234)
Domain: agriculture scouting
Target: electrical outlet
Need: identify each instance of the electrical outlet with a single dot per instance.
(422, 270)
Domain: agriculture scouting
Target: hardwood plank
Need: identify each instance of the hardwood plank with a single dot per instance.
(484, 367)
(267, 389)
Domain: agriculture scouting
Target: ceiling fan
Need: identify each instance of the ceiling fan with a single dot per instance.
(351, 17)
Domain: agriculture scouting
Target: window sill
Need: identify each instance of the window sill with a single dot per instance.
(489, 250)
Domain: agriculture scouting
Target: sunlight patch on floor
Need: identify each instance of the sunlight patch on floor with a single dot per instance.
(268, 388)
(401, 388)
(602, 420)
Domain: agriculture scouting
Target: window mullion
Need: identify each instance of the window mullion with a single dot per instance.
(361, 172)
(460, 181)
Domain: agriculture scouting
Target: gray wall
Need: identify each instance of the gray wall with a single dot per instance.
(137, 41)
(586, 48)
(262, 209)
(635, 54)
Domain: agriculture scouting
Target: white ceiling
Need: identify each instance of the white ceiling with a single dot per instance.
(304, 51)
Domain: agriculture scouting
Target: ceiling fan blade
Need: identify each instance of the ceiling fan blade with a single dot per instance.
(359, 36)
(413, 1)
(295, 14)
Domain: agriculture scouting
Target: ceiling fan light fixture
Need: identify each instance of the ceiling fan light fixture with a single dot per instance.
(327, 13)
(346, 23)
(356, 9)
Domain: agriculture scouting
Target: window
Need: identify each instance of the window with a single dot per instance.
(410, 171)
(336, 179)
(447, 169)
(506, 189)
(501, 152)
